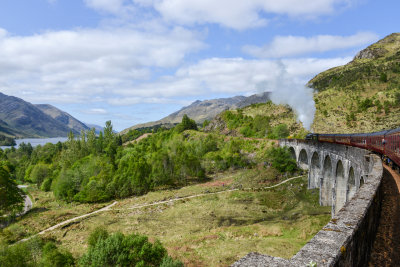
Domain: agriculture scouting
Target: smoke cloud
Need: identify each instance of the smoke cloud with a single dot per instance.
(286, 90)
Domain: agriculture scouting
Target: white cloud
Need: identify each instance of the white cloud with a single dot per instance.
(96, 111)
(240, 14)
(232, 76)
(88, 64)
(286, 46)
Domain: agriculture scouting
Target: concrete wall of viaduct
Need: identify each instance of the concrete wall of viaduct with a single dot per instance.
(350, 180)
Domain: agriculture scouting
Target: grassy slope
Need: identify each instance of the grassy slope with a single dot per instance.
(340, 91)
(279, 114)
(213, 230)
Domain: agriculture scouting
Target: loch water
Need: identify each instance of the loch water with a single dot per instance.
(37, 141)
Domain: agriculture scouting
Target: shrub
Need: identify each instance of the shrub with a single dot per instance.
(365, 104)
(52, 257)
(383, 77)
(34, 252)
(281, 159)
(96, 235)
(120, 250)
(279, 132)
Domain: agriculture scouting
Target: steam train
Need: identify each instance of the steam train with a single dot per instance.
(385, 143)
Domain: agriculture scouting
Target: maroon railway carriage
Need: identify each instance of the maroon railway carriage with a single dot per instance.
(344, 139)
(330, 138)
(386, 143)
(359, 140)
(392, 145)
(375, 142)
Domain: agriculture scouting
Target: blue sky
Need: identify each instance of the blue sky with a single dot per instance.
(133, 61)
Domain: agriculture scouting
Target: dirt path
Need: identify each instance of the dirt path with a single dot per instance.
(70, 220)
(386, 248)
(108, 208)
(27, 203)
(203, 194)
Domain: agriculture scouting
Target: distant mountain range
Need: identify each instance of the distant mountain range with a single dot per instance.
(205, 110)
(63, 117)
(19, 118)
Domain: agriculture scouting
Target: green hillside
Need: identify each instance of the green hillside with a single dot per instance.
(258, 121)
(363, 95)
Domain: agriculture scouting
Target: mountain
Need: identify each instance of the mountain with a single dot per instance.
(253, 99)
(204, 110)
(363, 95)
(22, 119)
(63, 117)
(97, 128)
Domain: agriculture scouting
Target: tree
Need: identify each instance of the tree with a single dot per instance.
(186, 124)
(91, 140)
(280, 131)
(281, 159)
(39, 173)
(11, 197)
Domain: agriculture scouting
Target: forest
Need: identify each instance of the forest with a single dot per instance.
(92, 168)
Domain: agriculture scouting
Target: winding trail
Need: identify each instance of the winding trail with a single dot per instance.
(204, 194)
(69, 221)
(109, 207)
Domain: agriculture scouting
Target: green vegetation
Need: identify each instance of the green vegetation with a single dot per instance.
(265, 120)
(218, 229)
(7, 141)
(120, 250)
(282, 160)
(104, 250)
(97, 169)
(363, 95)
(35, 252)
(208, 230)
(11, 197)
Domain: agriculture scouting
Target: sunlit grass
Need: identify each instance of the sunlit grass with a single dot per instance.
(212, 230)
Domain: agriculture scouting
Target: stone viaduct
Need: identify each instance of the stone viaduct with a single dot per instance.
(338, 171)
(349, 180)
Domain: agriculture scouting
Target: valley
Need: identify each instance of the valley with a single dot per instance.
(213, 229)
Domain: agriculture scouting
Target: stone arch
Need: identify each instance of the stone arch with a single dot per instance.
(351, 184)
(292, 153)
(315, 170)
(341, 186)
(362, 181)
(303, 159)
(326, 185)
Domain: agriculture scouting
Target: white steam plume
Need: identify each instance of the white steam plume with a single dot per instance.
(285, 90)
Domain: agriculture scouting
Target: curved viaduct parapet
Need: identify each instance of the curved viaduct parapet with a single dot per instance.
(353, 177)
